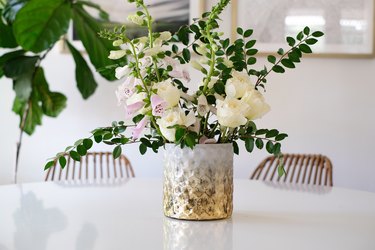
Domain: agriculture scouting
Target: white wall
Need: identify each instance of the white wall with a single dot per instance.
(325, 105)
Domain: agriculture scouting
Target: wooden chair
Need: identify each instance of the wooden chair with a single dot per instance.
(94, 166)
(300, 169)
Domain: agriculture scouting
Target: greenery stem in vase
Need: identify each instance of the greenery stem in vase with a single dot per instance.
(160, 109)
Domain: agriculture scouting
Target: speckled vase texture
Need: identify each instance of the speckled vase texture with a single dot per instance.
(198, 183)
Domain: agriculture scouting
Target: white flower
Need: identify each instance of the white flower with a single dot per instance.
(180, 73)
(164, 36)
(212, 82)
(118, 42)
(174, 117)
(143, 39)
(153, 51)
(126, 90)
(196, 65)
(122, 71)
(228, 63)
(116, 54)
(237, 86)
(168, 92)
(135, 19)
(203, 107)
(231, 112)
(257, 104)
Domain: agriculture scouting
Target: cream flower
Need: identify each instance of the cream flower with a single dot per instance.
(135, 19)
(174, 117)
(120, 72)
(257, 104)
(118, 42)
(228, 63)
(164, 36)
(203, 106)
(168, 92)
(116, 54)
(153, 51)
(231, 112)
(237, 86)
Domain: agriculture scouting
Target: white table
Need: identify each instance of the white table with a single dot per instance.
(128, 215)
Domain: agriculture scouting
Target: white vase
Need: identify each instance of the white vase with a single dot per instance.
(198, 183)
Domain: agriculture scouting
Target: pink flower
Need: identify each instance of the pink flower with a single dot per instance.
(182, 74)
(137, 131)
(132, 108)
(158, 105)
(126, 90)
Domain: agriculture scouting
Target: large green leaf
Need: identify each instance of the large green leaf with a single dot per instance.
(21, 70)
(52, 102)
(98, 49)
(8, 56)
(7, 39)
(41, 23)
(11, 8)
(85, 80)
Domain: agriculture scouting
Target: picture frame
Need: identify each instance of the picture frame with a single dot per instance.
(119, 10)
(349, 25)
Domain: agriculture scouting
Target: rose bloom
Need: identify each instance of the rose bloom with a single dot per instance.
(172, 117)
(237, 86)
(231, 112)
(257, 104)
(168, 92)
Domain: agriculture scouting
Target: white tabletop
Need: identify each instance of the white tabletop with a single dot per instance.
(128, 215)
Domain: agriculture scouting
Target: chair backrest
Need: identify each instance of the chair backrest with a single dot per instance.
(93, 166)
(300, 168)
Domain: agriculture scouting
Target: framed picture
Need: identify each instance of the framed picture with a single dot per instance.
(348, 24)
(169, 15)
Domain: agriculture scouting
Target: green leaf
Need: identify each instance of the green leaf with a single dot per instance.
(251, 52)
(269, 147)
(138, 118)
(7, 39)
(272, 133)
(317, 34)
(75, 156)
(300, 36)
(39, 24)
(291, 41)
(11, 8)
(311, 41)
(281, 137)
(86, 83)
(239, 31)
(34, 116)
(271, 59)
(306, 31)
(277, 149)
(259, 143)
(142, 149)
(21, 70)
(280, 170)
(249, 144)
(251, 61)
(117, 152)
(52, 102)
(250, 44)
(261, 131)
(81, 150)
(294, 57)
(278, 69)
(98, 49)
(49, 165)
(180, 132)
(8, 56)
(236, 149)
(62, 161)
(98, 138)
(186, 54)
(305, 48)
(87, 143)
(219, 87)
(191, 139)
(248, 33)
(280, 51)
(287, 63)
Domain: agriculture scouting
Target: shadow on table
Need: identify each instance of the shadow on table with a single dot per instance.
(193, 235)
(315, 189)
(35, 223)
(87, 237)
(94, 183)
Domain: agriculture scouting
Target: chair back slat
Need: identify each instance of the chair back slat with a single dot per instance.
(87, 168)
(300, 168)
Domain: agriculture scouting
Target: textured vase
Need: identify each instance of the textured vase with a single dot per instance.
(198, 183)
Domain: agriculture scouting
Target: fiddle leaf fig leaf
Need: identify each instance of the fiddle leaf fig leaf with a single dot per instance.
(39, 24)
(86, 83)
(98, 49)
(7, 39)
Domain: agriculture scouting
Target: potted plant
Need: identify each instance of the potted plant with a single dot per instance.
(199, 129)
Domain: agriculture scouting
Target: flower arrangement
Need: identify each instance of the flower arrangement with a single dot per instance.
(161, 107)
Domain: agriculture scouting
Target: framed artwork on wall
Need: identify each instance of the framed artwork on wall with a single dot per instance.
(169, 15)
(348, 24)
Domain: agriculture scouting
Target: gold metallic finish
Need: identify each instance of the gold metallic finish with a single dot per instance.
(198, 183)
